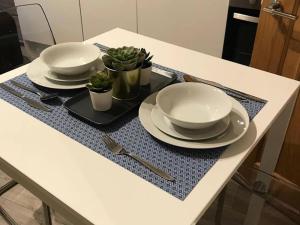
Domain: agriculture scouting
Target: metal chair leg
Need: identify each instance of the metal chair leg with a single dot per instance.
(9, 185)
(7, 217)
(47, 214)
(219, 212)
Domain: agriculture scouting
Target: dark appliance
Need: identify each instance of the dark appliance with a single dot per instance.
(240, 32)
(10, 50)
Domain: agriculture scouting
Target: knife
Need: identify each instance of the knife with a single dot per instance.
(31, 102)
(22, 86)
(190, 78)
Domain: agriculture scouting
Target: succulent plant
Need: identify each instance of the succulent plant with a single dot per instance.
(124, 58)
(147, 61)
(100, 82)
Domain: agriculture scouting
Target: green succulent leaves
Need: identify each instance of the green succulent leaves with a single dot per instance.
(100, 82)
(124, 58)
(147, 61)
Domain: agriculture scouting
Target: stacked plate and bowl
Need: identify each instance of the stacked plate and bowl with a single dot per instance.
(194, 115)
(65, 66)
(189, 115)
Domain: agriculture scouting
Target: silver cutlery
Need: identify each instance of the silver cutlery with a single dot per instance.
(117, 149)
(43, 96)
(31, 102)
(245, 96)
(189, 78)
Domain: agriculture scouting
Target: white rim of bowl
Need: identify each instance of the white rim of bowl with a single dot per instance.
(193, 83)
(42, 54)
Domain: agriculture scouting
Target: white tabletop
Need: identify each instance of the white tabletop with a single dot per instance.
(90, 189)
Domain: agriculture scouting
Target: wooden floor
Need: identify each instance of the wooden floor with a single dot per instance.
(26, 209)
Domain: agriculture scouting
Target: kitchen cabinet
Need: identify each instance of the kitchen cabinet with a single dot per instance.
(99, 16)
(64, 18)
(194, 24)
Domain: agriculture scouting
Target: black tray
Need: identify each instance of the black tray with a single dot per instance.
(81, 105)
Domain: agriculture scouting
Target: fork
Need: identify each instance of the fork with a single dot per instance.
(117, 149)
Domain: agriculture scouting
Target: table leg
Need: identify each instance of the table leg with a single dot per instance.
(47, 214)
(272, 148)
(220, 206)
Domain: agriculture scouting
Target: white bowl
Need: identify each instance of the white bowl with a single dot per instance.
(193, 105)
(71, 58)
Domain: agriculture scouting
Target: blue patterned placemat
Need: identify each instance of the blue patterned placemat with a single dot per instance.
(187, 166)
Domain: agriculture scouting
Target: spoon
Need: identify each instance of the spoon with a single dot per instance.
(189, 78)
(43, 96)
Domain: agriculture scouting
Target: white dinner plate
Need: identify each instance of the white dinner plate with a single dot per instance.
(37, 70)
(239, 123)
(165, 125)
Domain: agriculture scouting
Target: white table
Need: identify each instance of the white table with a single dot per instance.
(89, 189)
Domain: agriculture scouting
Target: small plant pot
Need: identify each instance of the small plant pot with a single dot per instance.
(145, 75)
(101, 101)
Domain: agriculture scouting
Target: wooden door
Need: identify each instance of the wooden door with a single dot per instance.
(277, 50)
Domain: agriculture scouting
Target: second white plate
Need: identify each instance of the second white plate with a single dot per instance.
(37, 70)
(68, 79)
(239, 124)
(165, 125)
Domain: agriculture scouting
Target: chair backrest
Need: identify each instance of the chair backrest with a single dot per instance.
(277, 192)
(22, 41)
(10, 50)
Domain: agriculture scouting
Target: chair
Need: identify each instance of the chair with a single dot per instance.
(21, 41)
(280, 197)
(11, 55)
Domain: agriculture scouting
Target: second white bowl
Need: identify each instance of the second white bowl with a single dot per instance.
(193, 105)
(71, 58)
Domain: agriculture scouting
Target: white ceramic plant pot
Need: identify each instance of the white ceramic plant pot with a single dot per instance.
(101, 101)
(145, 75)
